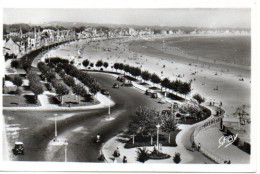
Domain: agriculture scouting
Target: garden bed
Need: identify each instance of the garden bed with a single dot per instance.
(192, 120)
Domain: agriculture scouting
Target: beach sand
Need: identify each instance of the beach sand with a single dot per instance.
(231, 91)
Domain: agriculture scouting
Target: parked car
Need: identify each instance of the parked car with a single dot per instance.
(116, 85)
(104, 92)
(148, 92)
(121, 78)
(154, 95)
(128, 83)
(162, 101)
(18, 148)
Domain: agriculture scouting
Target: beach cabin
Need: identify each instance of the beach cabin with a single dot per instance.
(230, 123)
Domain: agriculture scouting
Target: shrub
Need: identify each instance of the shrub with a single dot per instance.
(18, 81)
(85, 62)
(155, 78)
(105, 64)
(142, 154)
(199, 98)
(177, 158)
(99, 63)
(14, 64)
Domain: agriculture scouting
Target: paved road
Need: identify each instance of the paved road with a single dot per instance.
(81, 129)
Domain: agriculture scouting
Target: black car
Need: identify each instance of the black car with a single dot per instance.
(18, 148)
(104, 92)
(116, 85)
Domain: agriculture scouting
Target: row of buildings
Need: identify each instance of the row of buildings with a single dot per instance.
(19, 43)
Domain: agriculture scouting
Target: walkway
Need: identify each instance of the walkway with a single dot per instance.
(210, 140)
(46, 106)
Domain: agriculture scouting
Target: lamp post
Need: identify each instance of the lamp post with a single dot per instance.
(108, 108)
(158, 127)
(66, 144)
(55, 132)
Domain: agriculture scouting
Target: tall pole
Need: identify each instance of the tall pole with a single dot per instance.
(109, 107)
(158, 127)
(66, 144)
(56, 134)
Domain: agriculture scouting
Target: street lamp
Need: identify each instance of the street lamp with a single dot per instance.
(56, 133)
(158, 127)
(108, 108)
(66, 144)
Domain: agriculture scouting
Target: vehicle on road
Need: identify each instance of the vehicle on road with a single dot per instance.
(18, 148)
(148, 92)
(162, 101)
(154, 95)
(104, 92)
(121, 78)
(116, 85)
(128, 83)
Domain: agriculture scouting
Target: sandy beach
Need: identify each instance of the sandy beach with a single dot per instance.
(205, 79)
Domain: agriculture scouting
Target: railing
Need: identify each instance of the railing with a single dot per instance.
(203, 149)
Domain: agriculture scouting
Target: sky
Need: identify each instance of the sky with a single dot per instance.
(209, 18)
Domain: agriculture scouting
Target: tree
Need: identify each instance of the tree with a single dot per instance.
(91, 65)
(68, 80)
(116, 66)
(185, 88)
(26, 66)
(79, 91)
(121, 66)
(18, 81)
(14, 64)
(36, 89)
(60, 89)
(175, 85)
(155, 78)
(165, 83)
(169, 124)
(35, 84)
(143, 120)
(105, 64)
(199, 98)
(127, 68)
(146, 75)
(99, 63)
(94, 88)
(135, 71)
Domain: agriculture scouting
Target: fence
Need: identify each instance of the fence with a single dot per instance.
(204, 150)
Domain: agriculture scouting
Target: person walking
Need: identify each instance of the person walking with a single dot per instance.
(199, 147)
(124, 159)
(193, 146)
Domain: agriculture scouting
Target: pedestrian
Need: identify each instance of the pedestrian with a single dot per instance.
(124, 159)
(116, 153)
(193, 146)
(101, 157)
(198, 147)
(98, 138)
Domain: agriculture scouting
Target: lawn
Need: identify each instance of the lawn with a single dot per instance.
(25, 101)
(83, 101)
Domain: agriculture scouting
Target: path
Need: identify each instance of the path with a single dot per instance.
(231, 152)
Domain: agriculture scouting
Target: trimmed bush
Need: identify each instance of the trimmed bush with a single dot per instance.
(177, 158)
